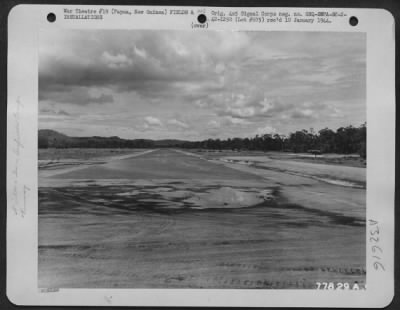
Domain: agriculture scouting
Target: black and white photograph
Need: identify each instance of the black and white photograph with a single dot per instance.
(209, 159)
(163, 156)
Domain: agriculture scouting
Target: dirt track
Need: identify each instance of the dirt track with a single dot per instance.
(167, 219)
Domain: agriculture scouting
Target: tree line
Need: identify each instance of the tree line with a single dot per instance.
(345, 140)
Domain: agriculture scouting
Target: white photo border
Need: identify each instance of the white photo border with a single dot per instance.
(24, 25)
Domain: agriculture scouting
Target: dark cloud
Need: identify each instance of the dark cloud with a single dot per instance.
(62, 112)
(237, 79)
(147, 64)
(53, 111)
(74, 95)
(103, 98)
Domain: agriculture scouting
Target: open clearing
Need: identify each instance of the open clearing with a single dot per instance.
(173, 219)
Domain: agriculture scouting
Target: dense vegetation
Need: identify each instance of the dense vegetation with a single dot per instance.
(344, 140)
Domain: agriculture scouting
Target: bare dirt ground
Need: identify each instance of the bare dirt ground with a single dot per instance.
(350, 160)
(53, 158)
(174, 219)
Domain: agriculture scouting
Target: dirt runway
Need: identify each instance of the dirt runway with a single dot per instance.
(169, 219)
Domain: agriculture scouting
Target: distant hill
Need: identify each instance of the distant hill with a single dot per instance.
(52, 134)
(51, 138)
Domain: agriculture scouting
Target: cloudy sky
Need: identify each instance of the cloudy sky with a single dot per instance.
(198, 85)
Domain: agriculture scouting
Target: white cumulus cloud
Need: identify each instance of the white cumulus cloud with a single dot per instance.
(116, 61)
(140, 52)
(265, 130)
(178, 123)
(152, 121)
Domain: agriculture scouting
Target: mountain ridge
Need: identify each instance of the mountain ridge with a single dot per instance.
(52, 138)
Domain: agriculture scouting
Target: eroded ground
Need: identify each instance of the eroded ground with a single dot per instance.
(173, 219)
